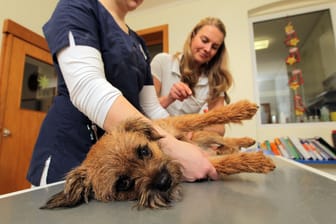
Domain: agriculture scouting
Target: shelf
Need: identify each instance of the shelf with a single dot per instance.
(315, 161)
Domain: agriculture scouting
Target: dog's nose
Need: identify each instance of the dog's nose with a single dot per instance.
(162, 180)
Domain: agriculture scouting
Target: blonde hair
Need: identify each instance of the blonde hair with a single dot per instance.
(220, 78)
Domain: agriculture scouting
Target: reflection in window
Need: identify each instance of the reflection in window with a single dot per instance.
(296, 72)
(38, 86)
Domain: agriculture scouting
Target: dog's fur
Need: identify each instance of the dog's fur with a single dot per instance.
(128, 164)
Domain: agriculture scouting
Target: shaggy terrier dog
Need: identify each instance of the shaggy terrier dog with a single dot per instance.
(128, 163)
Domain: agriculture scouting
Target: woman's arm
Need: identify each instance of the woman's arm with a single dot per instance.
(179, 91)
(165, 101)
(161, 67)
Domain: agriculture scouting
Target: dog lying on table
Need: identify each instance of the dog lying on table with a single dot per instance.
(128, 164)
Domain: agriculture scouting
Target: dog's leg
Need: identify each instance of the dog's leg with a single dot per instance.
(232, 113)
(234, 144)
(250, 162)
(240, 142)
(207, 139)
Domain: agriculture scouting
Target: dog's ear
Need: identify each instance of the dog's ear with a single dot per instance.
(139, 125)
(76, 191)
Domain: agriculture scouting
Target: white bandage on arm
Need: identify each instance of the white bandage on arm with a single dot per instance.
(84, 75)
(150, 103)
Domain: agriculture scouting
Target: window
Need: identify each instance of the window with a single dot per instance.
(295, 66)
(38, 85)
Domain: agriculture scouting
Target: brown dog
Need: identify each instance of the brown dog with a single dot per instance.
(128, 164)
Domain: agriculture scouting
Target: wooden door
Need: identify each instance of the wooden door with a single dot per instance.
(156, 39)
(23, 101)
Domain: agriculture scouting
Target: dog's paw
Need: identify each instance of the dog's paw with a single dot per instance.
(244, 109)
(238, 111)
(265, 163)
(243, 162)
(245, 142)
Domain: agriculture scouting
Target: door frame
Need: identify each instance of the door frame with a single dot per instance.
(11, 30)
(156, 35)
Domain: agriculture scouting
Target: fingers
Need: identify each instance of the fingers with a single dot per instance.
(180, 91)
(204, 171)
(195, 165)
(213, 175)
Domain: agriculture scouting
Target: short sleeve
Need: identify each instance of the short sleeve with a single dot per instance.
(159, 65)
(78, 16)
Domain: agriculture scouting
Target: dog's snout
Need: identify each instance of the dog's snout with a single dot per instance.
(162, 180)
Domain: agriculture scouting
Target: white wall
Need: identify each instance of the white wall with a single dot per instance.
(181, 16)
(31, 14)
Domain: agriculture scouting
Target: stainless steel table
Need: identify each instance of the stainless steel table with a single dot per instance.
(293, 193)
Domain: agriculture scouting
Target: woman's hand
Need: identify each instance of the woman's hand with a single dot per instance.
(179, 91)
(195, 164)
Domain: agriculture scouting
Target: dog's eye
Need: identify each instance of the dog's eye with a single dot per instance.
(124, 183)
(144, 152)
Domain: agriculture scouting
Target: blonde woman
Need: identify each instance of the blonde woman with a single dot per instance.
(197, 79)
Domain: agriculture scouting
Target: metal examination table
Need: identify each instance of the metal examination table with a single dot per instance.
(293, 194)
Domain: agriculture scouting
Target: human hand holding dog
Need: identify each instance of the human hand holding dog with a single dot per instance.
(194, 162)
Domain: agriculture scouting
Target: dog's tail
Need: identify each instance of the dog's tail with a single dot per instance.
(249, 162)
(232, 113)
(76, 191)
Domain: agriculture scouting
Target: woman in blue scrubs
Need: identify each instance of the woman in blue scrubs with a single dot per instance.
(104, 78)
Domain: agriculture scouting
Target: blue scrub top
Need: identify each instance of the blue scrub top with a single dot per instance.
(66, 134)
